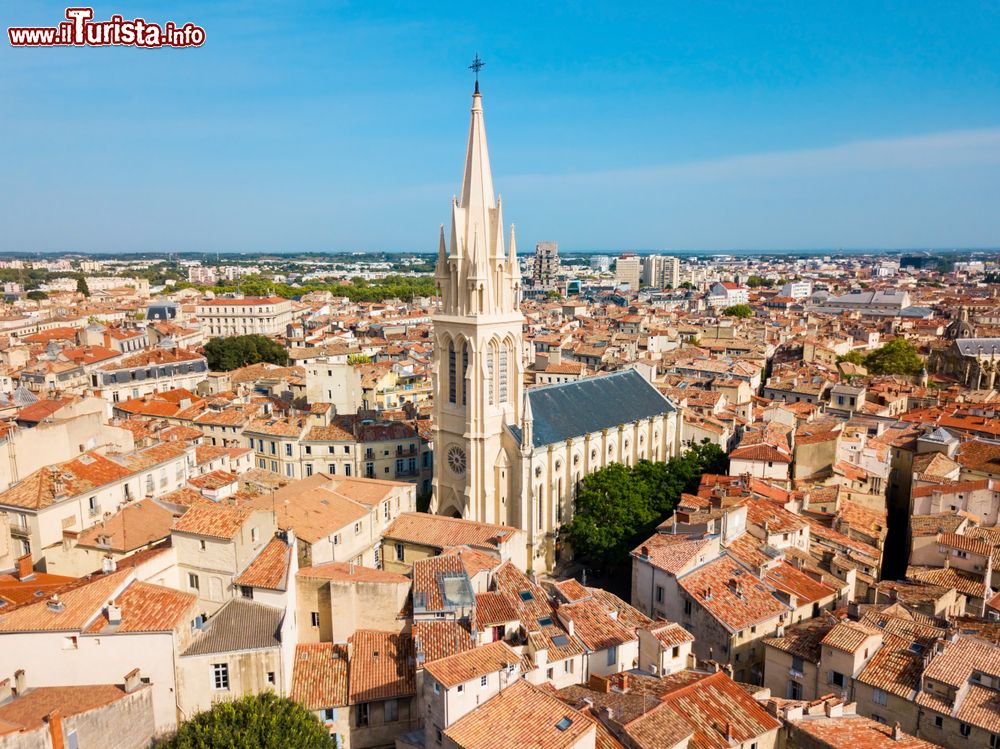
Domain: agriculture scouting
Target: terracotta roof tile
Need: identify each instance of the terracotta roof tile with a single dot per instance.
(319, 676)
(382, 666)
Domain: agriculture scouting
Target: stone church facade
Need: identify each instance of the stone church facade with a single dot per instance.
(504, 454)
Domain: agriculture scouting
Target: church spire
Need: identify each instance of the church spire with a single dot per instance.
(477, 183)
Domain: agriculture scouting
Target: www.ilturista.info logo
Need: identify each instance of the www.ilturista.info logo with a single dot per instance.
(80, 30)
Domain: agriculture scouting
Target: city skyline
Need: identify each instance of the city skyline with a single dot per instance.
(684, 131)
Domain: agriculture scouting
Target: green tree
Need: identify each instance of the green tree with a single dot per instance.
(741, 311)
(756, 282)
(898, 356)
(262, 721)
(81, 286)
(853, 357)
(686, 285)
(37, 295)
(619, 506)
(225, 354)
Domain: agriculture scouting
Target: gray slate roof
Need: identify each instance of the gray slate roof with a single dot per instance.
(573, 409)
(972, 346)
(239, 625)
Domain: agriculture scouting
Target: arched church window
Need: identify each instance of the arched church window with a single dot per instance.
(611, 449)
(593, 454)
(626, 443)
(503, 374)
(538, 471)
(642, 438)
(465, 367)
(576, 460)
(452, 379)
(490, 354)
(558, 464)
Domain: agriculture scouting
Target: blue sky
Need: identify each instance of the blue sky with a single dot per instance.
(674, 125)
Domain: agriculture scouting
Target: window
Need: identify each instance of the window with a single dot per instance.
(363, 714)
(391, 712)
(879, 697)
(659, 594)
(938, 721)
(794, 690)
(289, 470)
(92, 504)
(568, 666)
(483, 679)
(437, 688)
(965, 729)
(461, 688)
(329, 714)
(309, 469)
(270, 677)
(274, 448)
(798, 666)
(72, 740)
(331, 469)
(220, 676)
(548, 674)
(246, 591)
(399, 552)
(357, 529)
(254, 535)
(837, 678)
(675, 651)
(612, 655)
(201, 544)
(687, 607)
(70, 643)
(995, 741)
(193, 581)
(288, 449)
(347, 470)
(314, 618)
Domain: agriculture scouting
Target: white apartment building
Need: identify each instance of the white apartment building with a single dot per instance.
(249, 315)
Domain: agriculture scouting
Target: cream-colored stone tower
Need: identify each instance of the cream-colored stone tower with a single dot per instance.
(478, 368)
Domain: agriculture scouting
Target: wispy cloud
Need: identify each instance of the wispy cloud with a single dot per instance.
(934, 151)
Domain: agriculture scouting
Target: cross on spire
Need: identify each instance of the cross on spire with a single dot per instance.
(476, 66)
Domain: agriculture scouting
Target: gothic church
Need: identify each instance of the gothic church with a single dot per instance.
(504, 454)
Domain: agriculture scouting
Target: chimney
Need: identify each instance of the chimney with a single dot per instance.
(607, 713)
(20, 682)
(114, 613)
(108, 564)
(25, 569)
(624, 686)
(644, 552)
(729, 731)
(133, 680)
(54, 719)
(570, 628)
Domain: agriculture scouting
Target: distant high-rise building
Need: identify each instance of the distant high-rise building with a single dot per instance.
(546, 268)
(628, 269)
(661, 271)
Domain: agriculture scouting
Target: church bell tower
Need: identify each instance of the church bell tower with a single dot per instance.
(478, 368)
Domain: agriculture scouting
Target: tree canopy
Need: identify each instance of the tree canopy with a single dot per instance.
(37, 295)
(262, 721)
(741, 311)
(225, 354)
(756, 282)
(81, 286)
(619, 506)
(358, 289)
(898, 356)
